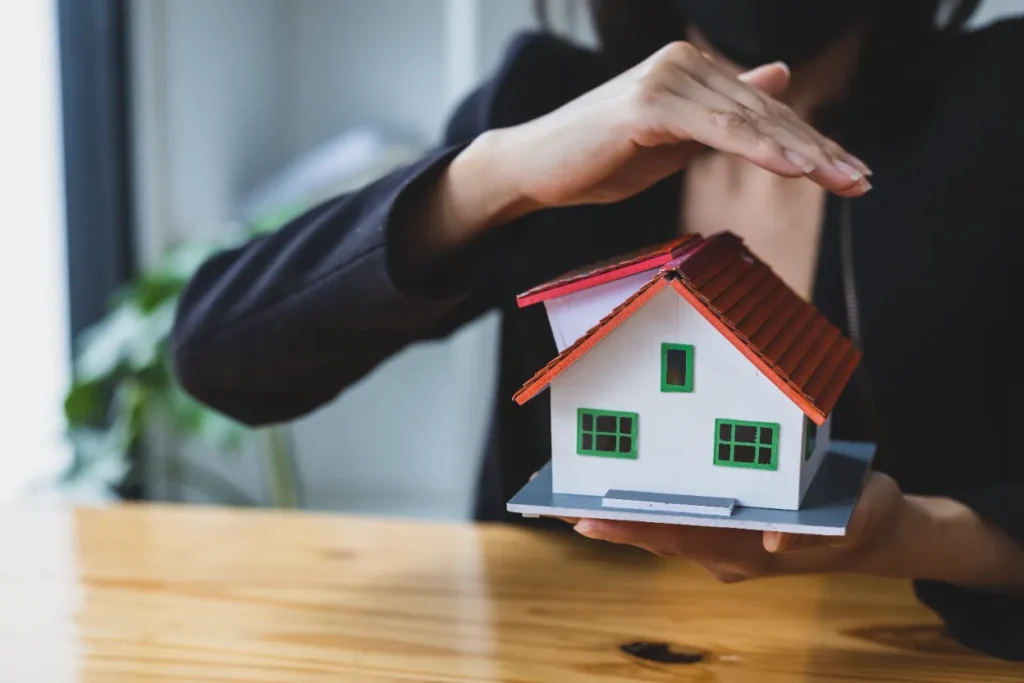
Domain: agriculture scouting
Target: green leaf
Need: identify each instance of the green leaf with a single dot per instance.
(152, 292)
(180, 263)
(146, 349)
(106, 347)
(275, 220)
(157, 377)
(126, 340)
(219, 430)
(130, 405)
(85, 404)
(102, 456)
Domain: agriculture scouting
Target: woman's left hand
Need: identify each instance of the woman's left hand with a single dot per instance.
(732, 555)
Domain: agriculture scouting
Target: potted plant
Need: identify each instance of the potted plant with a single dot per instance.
(123, 389)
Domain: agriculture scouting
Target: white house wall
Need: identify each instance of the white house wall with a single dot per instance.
(676, 430)
(572, 315)
(810, 468)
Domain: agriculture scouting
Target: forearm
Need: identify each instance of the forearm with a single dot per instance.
(942, 539)
(279, 325)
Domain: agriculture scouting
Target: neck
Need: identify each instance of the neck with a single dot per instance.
(824, 80)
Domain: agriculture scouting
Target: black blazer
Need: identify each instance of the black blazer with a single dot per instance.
(278, 327)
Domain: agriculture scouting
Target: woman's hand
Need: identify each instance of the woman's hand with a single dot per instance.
(732, 555)
(644, 125)
(890, 534)
(624, 136)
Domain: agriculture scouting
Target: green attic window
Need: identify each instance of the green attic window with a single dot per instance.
(677, 368)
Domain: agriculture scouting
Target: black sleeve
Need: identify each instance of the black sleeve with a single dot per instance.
(278, 327)
(993, 621)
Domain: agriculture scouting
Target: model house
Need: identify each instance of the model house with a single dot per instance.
(691, 378)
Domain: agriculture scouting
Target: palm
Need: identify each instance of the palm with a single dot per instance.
(733, 555)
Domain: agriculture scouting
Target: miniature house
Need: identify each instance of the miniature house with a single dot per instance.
(690, 375)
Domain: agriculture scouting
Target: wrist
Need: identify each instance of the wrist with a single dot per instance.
(907, 542)
(481, 186)
(940, 539)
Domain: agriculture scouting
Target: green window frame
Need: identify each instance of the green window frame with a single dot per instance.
(671, 366)
(739, 443)
(810, 437)
(606, 433)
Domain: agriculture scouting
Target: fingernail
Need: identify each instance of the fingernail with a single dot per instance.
(784, 66)
(773, 541)
(847, 169)
(798, 160)
(859, 163)
(863, 185)
(585, 527)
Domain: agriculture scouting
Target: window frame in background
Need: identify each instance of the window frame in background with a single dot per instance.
(94, 46)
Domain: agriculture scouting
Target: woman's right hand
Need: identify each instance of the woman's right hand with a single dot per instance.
(644, 125)
(629, 133)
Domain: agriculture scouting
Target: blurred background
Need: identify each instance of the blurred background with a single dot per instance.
(139, 136)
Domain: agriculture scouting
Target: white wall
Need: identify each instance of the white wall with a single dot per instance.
(34, 354)
(352, 62)
(676, 430)
(227, 92)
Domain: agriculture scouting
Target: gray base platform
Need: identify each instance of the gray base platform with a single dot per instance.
(826, 510)
(640, 500)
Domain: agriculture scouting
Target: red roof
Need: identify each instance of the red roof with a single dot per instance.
(595, 274)
(785, 337)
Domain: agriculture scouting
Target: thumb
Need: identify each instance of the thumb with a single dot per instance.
(771, 79)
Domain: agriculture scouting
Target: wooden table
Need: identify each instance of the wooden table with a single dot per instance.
(190, 594)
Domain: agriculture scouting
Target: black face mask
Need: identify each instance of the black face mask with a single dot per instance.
(755, 32)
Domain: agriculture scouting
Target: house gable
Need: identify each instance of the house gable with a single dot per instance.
(779, 332)
(573, 315)
(675, 438)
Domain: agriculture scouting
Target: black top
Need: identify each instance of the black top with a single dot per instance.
(278, 327)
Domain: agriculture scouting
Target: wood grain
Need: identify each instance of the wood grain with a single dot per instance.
(141, 593)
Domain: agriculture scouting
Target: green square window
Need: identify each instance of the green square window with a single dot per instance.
(606, 433)
(810, 437)
(677, 367)
(747, 444)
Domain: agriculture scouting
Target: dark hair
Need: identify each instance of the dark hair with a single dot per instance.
(902, 60)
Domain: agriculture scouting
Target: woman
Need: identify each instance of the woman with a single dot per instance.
(694, 115)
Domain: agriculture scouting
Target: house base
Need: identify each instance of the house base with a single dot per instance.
(826, 510)
(663, 502)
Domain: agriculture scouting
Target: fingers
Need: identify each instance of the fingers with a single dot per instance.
(664, 539)
(770, 79)
(823, 167)
(735, 132)
(739, 116)
(780, 542)
(717, 121)
(659, 539)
